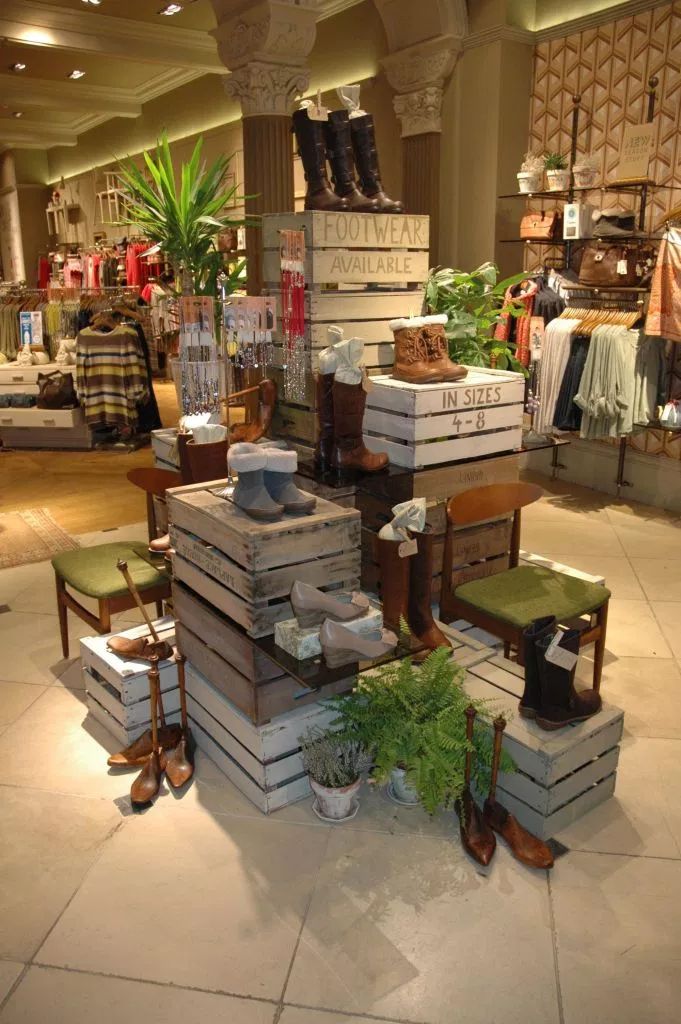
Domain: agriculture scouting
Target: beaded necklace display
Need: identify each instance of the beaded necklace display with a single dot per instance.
(292, 263)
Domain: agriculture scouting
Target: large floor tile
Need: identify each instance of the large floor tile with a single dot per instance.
(575, 538)
(61, 997)
(647, 689)
(650, 540)
(659, 577)
(53, 747)
(633, 631)
(17, 579)
(31, 646)
(9, 972)
(296, 1015)
(623, 966)
(15, 698)
(223, 901)
(403, 927)
(668, 615)
(48, 844)
(639, 820)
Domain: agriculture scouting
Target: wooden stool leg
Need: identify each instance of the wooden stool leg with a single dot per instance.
(159, 609)
(61, 611)
(599, 646)
(104, 615)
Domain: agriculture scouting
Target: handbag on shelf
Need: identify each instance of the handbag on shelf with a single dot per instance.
(541, 226)
(611, 265)
(56, 390)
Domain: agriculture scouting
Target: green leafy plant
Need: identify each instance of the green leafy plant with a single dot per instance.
(474, 303)
(412, 717)
(555, 162)
(182, 220)
(333, 760)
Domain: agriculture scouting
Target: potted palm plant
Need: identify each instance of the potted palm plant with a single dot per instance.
(334, 764)
(412, 721)
(182, 219)
(557, 172)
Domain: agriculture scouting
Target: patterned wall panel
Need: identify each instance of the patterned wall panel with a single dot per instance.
(610, 67)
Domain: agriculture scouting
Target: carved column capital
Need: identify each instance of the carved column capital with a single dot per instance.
(428, 63)
(276, 31)
(264, 88)
(419, 112)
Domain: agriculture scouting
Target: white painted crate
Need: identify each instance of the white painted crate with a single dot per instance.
(164, 447)
(421, 425)
(561, 775)
(119, 687)
(15, 379)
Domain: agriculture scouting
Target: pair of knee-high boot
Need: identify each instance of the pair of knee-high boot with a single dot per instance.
(550, 697)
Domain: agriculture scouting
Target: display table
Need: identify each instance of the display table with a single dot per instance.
(38, 428)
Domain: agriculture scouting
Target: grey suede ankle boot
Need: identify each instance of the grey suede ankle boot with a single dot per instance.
(281, 466)
(248, 461)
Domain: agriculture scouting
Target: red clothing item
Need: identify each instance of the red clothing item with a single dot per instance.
(518, 328)
(43, 272)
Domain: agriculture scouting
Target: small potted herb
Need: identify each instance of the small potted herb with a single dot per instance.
(531, 173)
(334, 764)
(557, 172)
(585, 171)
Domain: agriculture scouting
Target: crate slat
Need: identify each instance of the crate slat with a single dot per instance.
(348, 230)
(455, 427)
(420, 456)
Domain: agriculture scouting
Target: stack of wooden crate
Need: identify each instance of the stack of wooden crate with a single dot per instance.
(360, 272)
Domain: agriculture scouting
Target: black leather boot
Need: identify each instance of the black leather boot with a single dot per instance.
(312, 151)
(339, 153)
(531, 699)
(366, 162)
(560, 703)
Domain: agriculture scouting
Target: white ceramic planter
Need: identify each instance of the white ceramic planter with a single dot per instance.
(584, 176)
(558, 181)
(400, 790)
(336, 804)
(529, 181)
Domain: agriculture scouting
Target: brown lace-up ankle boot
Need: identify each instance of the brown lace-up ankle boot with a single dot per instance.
(411, 352)
(433, 334)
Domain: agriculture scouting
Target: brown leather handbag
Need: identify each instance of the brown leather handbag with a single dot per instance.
(541, 226)
(610, 265)
(56, 391)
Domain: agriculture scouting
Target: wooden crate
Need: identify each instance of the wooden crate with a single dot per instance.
(245, 568)
(15, 379)
(119, 687)
(44, 428)
(561, 775)
(164, 447)
(421, 425)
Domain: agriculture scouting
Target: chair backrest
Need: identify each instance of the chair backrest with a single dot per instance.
(492, 546)
(154, 482)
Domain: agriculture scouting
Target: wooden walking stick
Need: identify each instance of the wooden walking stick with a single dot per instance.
(138, 647)
(148, 782)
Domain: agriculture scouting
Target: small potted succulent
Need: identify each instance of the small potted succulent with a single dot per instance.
(531, 173)
(557, 172)
(334, 764)
(585, 171)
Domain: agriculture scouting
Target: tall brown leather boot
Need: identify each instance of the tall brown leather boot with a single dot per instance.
(476, 835)
(394, 583)
(339, 152)
(349, 451)
(420, 615)
(411, 353)
(366, 162)
(207, 461)
(433, 333)
(312, 151)
(252, 432)
(323, 451)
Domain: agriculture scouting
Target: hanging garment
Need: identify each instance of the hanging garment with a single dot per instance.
(44, 269)
(111, 376)
(568, 416)
(517, 329)
(651, 378)
(554, 357)
(548, 304)
(664, 310)
(148, 416)
(606, 390)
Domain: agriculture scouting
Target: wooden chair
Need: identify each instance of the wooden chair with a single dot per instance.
(92, 572)
(505, 597)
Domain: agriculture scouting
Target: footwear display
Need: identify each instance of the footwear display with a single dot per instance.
(148, 782)
(477, 837)
(349, 402)
(139, 750)
(394, 582)
(419, 604)
(311, 144)
(561, 704)
(328, 363)
(340, 646)
(366, 162)
(178, 763)
(250, 494)
(421, 351)
(207, 461)
(340, 155)
(433, 333)
(160, 544)
(278, 481)
(523, 845)
(252, 432)
(312, 606)
(138, 647)
(530, 701)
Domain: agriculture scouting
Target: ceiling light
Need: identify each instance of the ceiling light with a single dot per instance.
(94, 3)
(17, 113)
(17, 67)
(171, 9)
(75, 73)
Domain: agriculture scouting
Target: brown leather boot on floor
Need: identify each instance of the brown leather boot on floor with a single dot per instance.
(420, 615)
(350, 452)
(433, 333)
(312, 152)
(523, 845)
(476, 835)
(323, 451)
(411, 353)
(340, 156)
(394, 583)
(138, 752)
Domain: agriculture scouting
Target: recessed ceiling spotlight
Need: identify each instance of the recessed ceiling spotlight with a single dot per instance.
(170, 9)
(93, 3)
(18, 66)
(17, 113)
(75, 73)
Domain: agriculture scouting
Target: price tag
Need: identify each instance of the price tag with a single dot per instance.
(557, 655)
(407, 548)
(316, 112)
(622, 267)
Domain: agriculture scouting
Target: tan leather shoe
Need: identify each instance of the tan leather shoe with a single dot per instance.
(148, 782)
(311, 606)
(523, 845)
(160, 544)
(341, 646)
(476, 835)
(138, 752)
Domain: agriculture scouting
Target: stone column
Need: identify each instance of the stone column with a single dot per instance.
(418, 74)
(265, 46)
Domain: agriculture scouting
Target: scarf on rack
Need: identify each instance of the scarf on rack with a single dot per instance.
(512, 328)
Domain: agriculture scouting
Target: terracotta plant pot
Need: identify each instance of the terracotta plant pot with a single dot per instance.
(558, 180)
(584, 176)
(336, 804)
(529, 181)
(399, 789)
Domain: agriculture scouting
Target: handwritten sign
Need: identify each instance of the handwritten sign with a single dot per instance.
(638, 145)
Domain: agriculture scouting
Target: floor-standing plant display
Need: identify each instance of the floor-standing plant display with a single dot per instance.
(474, 303)
(334, 764)
(182, 220)
(412, 719)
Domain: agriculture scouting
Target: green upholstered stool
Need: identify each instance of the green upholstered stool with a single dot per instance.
(93, 573)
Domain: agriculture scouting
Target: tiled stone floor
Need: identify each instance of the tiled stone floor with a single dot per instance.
(202, 910)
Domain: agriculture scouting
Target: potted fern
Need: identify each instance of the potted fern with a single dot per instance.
(412, 721)
(557, 172)
(334, 764)
(181, 219)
